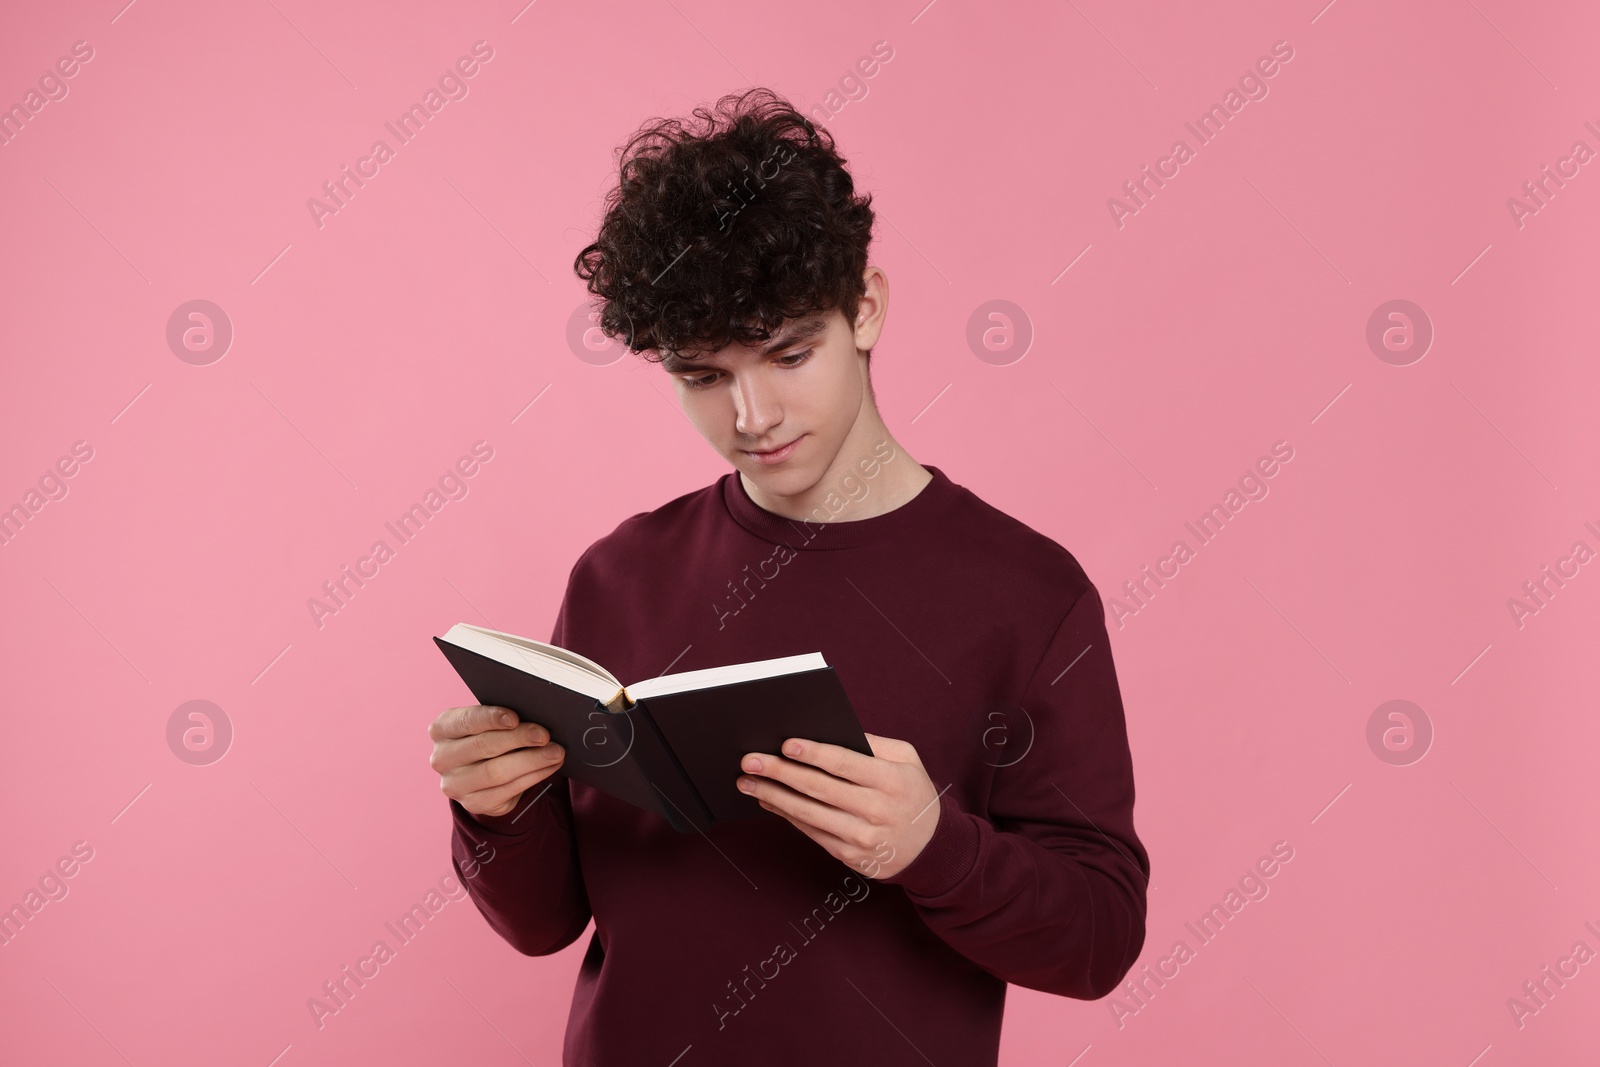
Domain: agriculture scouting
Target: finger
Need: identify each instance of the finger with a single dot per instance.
(487, 774)
(472, 719)
(799, 808)
(492, 799)
(462, 751)
(840, 762)
(818, 784)
(492, 743)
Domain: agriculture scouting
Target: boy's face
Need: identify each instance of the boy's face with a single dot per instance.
(798, 395)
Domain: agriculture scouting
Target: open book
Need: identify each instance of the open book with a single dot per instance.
(670, 744)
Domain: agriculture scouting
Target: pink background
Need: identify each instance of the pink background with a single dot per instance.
(369, 354)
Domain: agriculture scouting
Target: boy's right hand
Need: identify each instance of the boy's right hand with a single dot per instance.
(487, 759)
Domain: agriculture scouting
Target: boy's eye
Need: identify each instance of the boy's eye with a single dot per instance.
(705, 381)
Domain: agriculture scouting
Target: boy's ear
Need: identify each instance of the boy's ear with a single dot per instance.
(872, 309)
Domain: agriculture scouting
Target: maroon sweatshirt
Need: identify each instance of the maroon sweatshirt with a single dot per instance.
(952, 626)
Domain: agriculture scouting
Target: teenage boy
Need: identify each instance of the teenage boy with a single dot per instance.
(876, 915)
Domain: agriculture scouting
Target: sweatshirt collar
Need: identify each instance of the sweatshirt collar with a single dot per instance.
(905, 521)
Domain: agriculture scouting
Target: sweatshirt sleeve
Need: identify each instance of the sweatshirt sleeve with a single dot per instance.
(521, 868)
(1046, 889)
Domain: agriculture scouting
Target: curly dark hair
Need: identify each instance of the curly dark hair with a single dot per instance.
(718, 232)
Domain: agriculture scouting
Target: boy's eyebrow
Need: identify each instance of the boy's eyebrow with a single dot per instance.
(800, 330)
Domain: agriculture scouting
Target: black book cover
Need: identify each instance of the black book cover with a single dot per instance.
(675, 754)
(710, 730)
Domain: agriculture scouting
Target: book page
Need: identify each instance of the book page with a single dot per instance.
(710, 677)
(546, 661)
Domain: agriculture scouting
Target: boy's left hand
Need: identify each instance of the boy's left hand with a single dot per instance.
(874, 813)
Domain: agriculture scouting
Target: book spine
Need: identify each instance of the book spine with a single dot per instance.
(681, 803)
